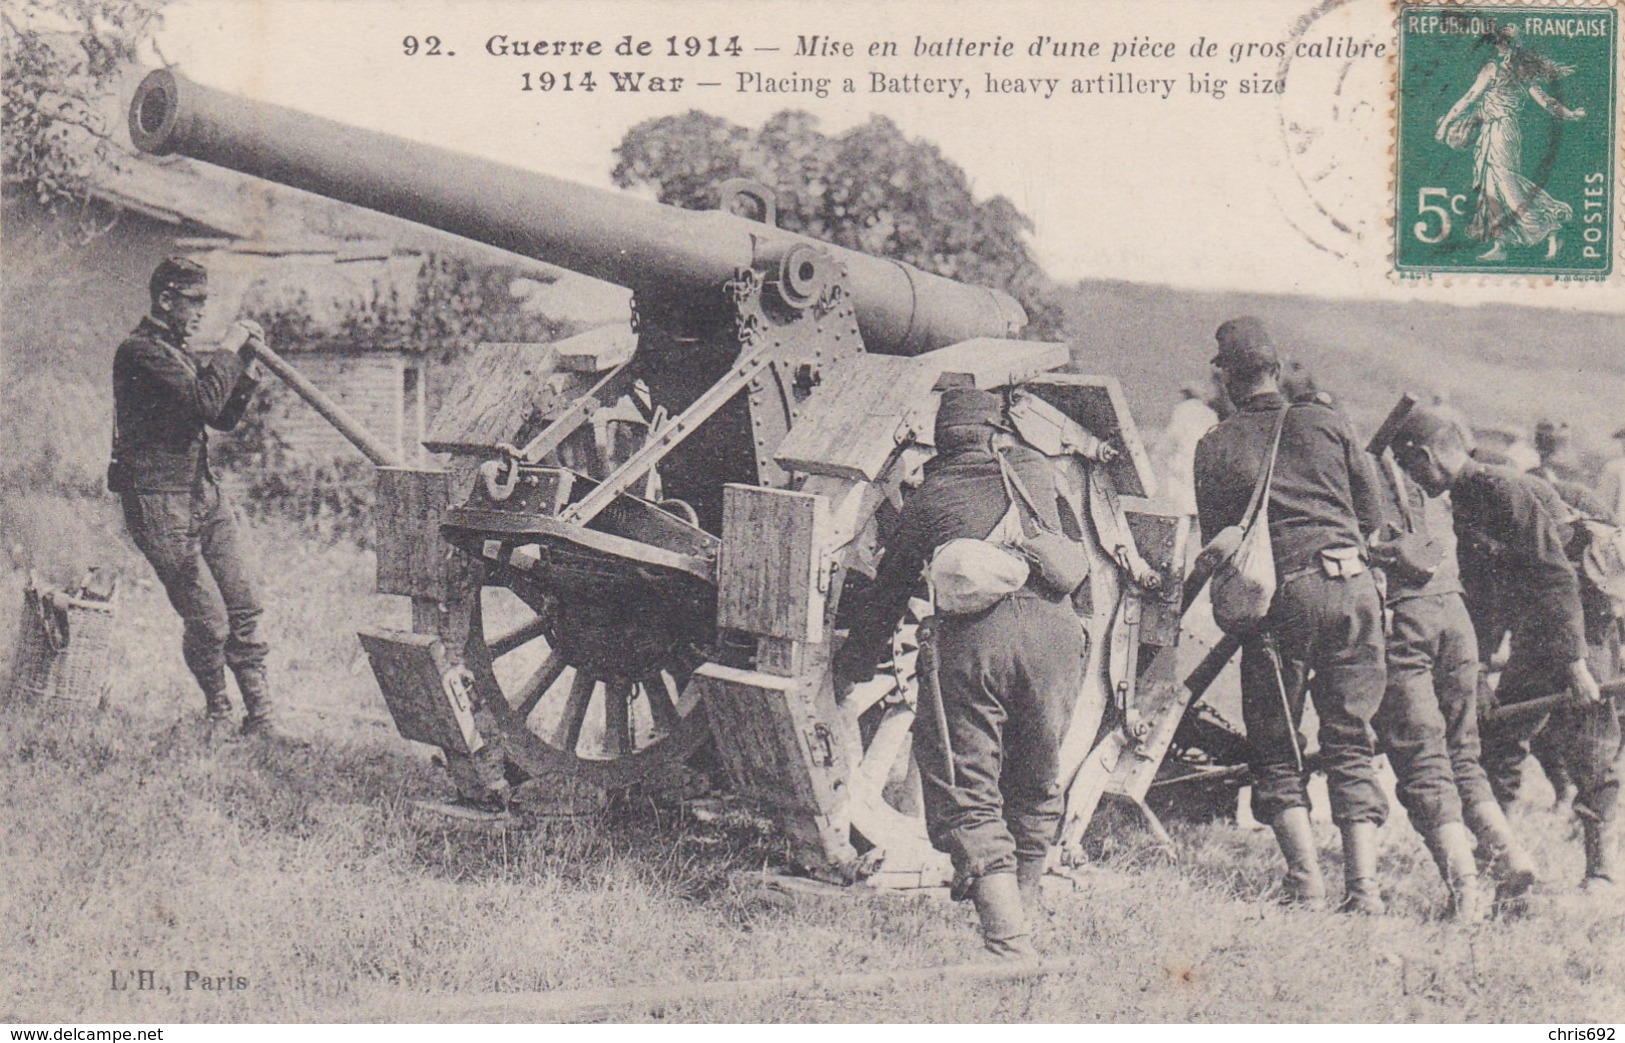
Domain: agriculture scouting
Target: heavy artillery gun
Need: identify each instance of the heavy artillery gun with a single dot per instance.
(629, 553)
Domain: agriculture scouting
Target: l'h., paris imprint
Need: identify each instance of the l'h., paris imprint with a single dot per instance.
(1506, 140)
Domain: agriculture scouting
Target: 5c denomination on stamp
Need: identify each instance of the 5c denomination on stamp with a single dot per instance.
(1505, 153)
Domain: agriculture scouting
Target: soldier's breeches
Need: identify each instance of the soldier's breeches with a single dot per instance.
(1427, 724)
(191, 540)
(1588, 736)
(1008, 677)
(1331, 628)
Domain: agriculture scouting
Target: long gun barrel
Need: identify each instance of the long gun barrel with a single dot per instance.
(646, 246)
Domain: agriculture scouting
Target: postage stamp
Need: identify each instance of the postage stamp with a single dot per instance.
(1505, 152)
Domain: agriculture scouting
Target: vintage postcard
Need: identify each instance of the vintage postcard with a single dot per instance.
(529, 511)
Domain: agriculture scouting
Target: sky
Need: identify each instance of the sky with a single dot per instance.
(1279, 192)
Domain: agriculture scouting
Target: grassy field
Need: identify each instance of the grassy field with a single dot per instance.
(133, 843)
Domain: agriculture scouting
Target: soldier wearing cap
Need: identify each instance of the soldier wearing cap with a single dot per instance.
(1515, 527)
(165, 396)
(1326, 618)
(1007, 675)
(1428, 723)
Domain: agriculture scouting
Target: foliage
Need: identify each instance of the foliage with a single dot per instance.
(61, 61)
(870, 188)
(457, 305)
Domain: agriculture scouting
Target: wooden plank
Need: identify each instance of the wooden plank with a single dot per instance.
(412, 558)
(1160, 537)
(777, 748)
(854, 421)
(1099, 407)
(412, 671)
(597, 350)
(769, 567)
(992, 362)
(503, 393)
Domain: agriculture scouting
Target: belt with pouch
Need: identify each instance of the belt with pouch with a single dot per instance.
(1333, 563)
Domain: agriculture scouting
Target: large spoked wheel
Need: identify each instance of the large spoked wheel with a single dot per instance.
(597, 692)
(886, 802)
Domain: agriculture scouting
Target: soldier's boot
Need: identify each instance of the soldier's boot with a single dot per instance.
(261, 720)
(1030, 881)
(1004, 923)
(1602, 853)
(1304, 885)
(1361, 895)
(1452, 849)
(216, 700)
(1509, 863)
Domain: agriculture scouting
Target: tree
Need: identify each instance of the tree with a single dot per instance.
(62, 60)
(869, 188)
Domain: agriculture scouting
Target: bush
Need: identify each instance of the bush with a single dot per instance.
(330, 499)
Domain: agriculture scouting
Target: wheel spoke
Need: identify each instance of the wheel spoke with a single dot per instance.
(539, 683)
(575, 711)
(618, 717)
(519, 636)
(661, 704)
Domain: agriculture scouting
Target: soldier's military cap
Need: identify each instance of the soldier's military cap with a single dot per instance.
(183, 276)
(1244, 343)
(1422, 427)
(962, 407)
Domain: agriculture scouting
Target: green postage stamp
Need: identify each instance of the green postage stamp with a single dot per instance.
(1506, 157)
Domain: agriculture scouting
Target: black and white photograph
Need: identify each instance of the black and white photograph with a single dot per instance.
(535, 512)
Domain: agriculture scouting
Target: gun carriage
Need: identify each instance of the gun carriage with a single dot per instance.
(641, 540)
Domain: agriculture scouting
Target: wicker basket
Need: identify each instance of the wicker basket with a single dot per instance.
(64, 643)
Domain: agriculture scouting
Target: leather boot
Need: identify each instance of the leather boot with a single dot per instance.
(1304, 885)
(1362, 895)
(1509, 863)
(1452, 849)
(261, 719)
(1004, 924)
(216, 701)
(1602, 854)
(1030, 880)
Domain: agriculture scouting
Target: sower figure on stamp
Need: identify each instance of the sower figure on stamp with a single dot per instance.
(1428, 723)
(165, 396)
(1516, 526)
(1326, 618)
(1007, 675)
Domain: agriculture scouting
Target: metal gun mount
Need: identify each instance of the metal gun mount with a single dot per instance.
(636, 549)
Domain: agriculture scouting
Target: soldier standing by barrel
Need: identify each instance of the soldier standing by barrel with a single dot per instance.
(165, 396)
(1515, 526)
(1326, 618)
(1007, 676)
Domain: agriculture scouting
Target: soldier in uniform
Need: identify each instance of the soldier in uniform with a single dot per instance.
(1007, 676)
(165, 396)
(1515, 526)
(1428, 723)
(1326, 618)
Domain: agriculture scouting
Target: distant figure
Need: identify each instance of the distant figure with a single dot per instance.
(1509, 209)
(1559, 467)
(1503, 446)
(1175, 449)
(165, 396)
(1611, 487)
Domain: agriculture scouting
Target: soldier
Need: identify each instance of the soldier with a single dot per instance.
(1326, 617)
(1428, 723)
(164, 397)
(1514, 526)
(1007, 676)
